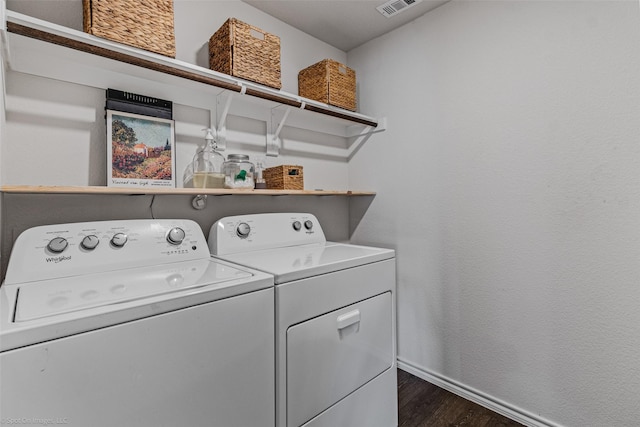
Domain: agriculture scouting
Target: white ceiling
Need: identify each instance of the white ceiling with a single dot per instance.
(344, 24)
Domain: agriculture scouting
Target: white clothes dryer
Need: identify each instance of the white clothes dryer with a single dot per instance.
(132, 323)
(335, 319)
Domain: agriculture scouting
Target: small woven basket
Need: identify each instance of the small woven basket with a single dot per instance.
(245, 51)
(146, 24)
(330, 82)
(284, 177)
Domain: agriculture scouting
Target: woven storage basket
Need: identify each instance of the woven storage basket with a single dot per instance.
(147, 24)
(284, 177)
(330, 82)
(245, 51)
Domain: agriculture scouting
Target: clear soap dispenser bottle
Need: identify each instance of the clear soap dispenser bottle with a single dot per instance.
(261, 184)
(207, 165)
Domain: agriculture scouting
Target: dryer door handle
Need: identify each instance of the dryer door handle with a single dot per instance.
(348, 319)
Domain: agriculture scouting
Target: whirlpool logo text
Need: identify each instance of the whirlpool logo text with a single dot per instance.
(58, 259)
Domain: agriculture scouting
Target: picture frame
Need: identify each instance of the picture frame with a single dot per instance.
(141, 151)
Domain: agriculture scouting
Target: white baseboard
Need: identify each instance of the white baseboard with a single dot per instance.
(496, 405)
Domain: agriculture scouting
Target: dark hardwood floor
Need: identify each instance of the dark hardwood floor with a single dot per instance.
(422, 404)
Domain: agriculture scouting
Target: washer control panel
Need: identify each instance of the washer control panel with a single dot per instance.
(64, 250)
(243, 233)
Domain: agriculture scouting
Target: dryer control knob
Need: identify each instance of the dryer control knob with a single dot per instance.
(297, 226)
(119, 239)
(57, 245)
(308, 224)
(243, 229)
(175, 236)
(89, 242)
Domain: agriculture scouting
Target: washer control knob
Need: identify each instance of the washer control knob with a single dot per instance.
(89, 242)
(119, 239)
(308, 224)
(175, 236)
(57, 244)
(297, 226)
(243, 229)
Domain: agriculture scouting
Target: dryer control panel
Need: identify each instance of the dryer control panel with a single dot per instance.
(65, 250)
(245, 233)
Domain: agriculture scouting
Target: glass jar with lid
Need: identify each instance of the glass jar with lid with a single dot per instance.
(238, 171)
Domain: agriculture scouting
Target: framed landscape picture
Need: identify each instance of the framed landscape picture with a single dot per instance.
(141, 152)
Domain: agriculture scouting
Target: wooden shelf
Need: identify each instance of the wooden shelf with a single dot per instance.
(41, 189)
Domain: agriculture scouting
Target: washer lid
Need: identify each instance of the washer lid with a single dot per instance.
(299, 262)
(47, 298)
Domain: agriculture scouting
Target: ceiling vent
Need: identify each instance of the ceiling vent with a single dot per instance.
(393, 7)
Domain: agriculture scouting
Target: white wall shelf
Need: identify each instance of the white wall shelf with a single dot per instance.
(48, 50)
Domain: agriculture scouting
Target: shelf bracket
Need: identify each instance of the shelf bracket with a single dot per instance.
(279, 116)
(223, 103)
(354, 130)
(358, 137)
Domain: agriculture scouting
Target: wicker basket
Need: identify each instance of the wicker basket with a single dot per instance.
(245, 51)
(147, 24)
(330, 82)
(284, 177)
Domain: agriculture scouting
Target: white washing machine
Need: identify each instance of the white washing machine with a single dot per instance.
(132, 323)
(335, 319)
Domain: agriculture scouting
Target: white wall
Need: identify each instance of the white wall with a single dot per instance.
(511, 191)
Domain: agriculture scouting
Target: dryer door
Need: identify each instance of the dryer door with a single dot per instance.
(331, 356)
